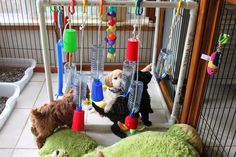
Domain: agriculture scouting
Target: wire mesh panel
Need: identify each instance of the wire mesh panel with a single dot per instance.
(180, 25)
(217, 125)
(20, 38)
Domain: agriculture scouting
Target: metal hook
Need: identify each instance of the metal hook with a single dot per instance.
(72, 11)
(138, 9)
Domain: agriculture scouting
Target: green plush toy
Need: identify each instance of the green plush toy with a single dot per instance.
(179, 141)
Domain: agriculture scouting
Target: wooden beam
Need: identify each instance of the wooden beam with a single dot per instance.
(166, 95)
(86, 67)
(160, 30)
(51, 27)
(196, 53)
(231, 1)
(212, 22)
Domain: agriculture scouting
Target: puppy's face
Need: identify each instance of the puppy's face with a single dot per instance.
(113, 79)
(116, 81)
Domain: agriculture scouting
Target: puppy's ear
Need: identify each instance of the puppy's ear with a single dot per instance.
(148, 77)
(147, 68)
(108, 80)
(35, 113)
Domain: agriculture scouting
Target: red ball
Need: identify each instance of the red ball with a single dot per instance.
(111, 36)
(112, 22)
(131, 122)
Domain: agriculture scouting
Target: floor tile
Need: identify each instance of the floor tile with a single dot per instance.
(43, 95)
(159, 116)
(25, 153)
(95, 118)
(6, 152)
(27, 139)
(13, 128)
(38, 77)
(29, 95)
(155, 97)
(104, 139)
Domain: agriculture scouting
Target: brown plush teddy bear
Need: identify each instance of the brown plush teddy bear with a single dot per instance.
(47, 118)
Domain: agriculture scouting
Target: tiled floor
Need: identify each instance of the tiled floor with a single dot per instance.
(16, 139)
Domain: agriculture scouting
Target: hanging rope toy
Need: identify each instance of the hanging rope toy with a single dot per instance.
(131, 121)
(215, 58)
(80, 85)
(97, 63)
(111, 38)
(70, 46)
(135, 89)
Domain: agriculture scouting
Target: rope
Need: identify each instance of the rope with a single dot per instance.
(138, 38)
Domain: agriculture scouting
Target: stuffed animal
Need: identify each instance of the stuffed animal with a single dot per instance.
(180, 140)
(113, 82)
(119, 109)
(47, 118)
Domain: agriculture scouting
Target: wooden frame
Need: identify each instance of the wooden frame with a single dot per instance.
(209, 16)
(86, 67)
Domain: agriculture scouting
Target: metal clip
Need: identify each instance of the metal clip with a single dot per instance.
(138, 9)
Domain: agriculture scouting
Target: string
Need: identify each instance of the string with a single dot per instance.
(137, 37)
(81, 59)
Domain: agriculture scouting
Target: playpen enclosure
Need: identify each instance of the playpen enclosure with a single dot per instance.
(192, 6)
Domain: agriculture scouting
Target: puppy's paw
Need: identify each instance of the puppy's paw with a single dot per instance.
(107, 108)
(147, 123)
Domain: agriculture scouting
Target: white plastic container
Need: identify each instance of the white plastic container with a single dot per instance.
(11, 91)
(20, 62)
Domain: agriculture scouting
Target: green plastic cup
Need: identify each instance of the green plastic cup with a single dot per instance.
(70, 41)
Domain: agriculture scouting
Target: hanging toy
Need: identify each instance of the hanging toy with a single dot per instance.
(97, 64)
(111, 37)
(80, 86)
(215, 58)
(129, 64)
(60, 55)
(164, 66)
(131, 121)
(79, 97)
(135, 90)
(70, 46)
(165, 63)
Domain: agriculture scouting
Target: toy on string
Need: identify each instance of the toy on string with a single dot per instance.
(129, 64)
(70, 46)
(80, 86)
(97, 63)
(215, 58)
(131, 121)
(111, 37)
(60, 54)
(136, 87)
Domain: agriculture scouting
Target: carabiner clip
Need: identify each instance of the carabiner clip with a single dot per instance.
(84, 6)
(138, 9)
(101, 7)
(178, 8)
(72, 11)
